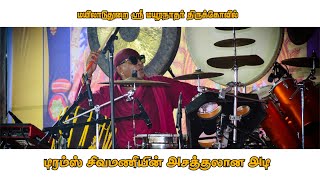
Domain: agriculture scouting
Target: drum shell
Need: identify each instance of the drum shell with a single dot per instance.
(157, 141)
(284, 89)
(83, 136)
(278, 129)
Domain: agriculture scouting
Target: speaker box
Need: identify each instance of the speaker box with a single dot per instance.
(247, 124)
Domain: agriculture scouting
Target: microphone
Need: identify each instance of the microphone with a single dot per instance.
(134, 73)
(16, 120)
(144, 115)
(278, 71)
(111, 39)
(271, 77)
(90, 98)
(179, 112)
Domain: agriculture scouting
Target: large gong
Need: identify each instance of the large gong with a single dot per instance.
(159, 45)
(267, 45)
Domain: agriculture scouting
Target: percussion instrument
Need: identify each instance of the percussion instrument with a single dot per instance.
(227, 62)
(301, 62)
(157, 141)
(158, 44)
(231, 42)
(267, 46)
(288, 94)
(139, 82)
(276, 126)
(231, 28)
(82, 133)
(198, 74)
(283, 122)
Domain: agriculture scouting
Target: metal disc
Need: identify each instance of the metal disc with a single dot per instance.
(159, 45)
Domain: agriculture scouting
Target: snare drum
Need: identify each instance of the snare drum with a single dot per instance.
(157, 141)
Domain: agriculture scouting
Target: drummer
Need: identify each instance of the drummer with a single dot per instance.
(158, 101)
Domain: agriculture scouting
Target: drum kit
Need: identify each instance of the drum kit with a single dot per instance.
(292, 107)
(292, 121)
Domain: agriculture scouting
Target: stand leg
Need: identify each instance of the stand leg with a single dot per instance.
(97, 128)
(235, 105)
(302, 115)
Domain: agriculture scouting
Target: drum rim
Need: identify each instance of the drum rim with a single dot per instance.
(280, 81)
(156, 135)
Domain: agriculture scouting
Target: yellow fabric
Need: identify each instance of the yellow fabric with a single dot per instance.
(27, 83)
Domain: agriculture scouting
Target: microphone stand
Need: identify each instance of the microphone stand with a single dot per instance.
(178, 126)
(91, 104)
(110, 47)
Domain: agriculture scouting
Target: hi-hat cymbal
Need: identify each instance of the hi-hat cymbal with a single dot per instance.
(301, 62)
(138, 82)
(230, 42)
(228, 61)
(198, 74)
(230, 28)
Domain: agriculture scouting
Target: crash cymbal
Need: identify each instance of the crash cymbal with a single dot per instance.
(230, 28)
(301, 62)
(228, 61)
(138, 82)
(230, 42)
(198, 74)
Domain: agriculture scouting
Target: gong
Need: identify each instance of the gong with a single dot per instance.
(159, 45)
(267, 45)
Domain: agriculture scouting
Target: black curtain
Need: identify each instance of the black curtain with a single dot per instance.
(3, 75)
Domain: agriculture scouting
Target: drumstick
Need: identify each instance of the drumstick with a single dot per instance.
(99, 50)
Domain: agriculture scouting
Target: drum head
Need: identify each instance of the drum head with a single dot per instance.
(267, 45)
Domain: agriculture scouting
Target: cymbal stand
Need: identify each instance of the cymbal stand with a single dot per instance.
(199, 89)
(128, 95)
(313, 70)
(235, 118)
(301, 87)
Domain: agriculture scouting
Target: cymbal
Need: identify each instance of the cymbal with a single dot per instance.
(228, 61)
(230, 28)
(138, 82)
(301, 62)
(198, 74)
(230, 42)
